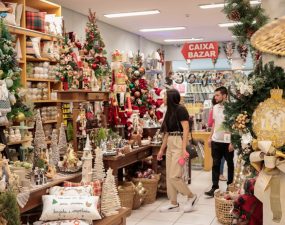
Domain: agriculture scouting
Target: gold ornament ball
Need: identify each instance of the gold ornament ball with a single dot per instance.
(20, 117)
(141, 192)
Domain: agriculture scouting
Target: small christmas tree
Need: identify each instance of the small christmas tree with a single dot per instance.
(54, 149)
(9, 208)
(62, 142)
(94, 48)
(40, 139)
(10, 73)
(99, 171)
(110, 198)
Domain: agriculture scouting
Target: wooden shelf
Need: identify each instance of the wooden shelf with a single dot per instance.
(17, 142)
(32, 33)
(39, 79)
(44, 101)
(49, 121)
(21, 61)
(34, 59)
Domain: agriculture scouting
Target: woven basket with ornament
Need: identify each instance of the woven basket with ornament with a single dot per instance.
(151, 186)
(126, 193)
(223, 208)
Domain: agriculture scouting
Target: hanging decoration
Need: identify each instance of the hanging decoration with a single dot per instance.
(214, 60)
(243, 51)
(229, 48)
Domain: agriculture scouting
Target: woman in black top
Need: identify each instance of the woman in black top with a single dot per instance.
(176, 130)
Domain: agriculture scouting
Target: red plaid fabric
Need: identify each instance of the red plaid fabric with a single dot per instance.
(96, 184)
(35, 21)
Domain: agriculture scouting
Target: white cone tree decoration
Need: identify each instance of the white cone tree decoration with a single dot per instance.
(98, 171)
(54, 149)
(40, 138)
(110, 198)
(62, 142)
(87, 162)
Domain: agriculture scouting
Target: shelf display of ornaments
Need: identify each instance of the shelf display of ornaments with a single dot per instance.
(41, 71)
(49, 113)
(37, 91)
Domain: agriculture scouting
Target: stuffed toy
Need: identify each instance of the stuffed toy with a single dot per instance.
(247, 208)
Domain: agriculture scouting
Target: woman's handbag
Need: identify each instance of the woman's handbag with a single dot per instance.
(191, 147)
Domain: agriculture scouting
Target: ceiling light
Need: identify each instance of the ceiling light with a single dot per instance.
(162, 29)
(183, 39)
(142, 13)
(221, 5)
(228, 24)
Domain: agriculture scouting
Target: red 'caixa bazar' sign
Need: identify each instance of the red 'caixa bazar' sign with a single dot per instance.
(200, 50)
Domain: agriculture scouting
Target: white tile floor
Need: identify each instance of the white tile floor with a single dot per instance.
(204, 213)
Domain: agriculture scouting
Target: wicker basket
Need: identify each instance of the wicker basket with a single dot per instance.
(138, 200)
(151, 186)
(126, 193)
(223, 208)
(233, 188)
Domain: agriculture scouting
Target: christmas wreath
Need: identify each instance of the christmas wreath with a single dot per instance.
(246, 94)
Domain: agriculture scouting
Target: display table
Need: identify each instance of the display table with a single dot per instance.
(37, 191)
(202, 135)
(119, 219)
(118, 162)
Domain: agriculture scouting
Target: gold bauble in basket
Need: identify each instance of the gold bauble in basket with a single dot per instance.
(269, 119)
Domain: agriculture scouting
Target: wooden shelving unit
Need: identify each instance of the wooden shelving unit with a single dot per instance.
(40, 80)
(30, 58)
(49, 121)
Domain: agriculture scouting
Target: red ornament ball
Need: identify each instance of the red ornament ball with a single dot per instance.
(94, 66)
(103, 60)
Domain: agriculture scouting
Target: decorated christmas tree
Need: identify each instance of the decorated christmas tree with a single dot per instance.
(110, 198)
(68, 71)
(54, 148)
(62, 142)
(98, 171)
(140, 96)
(94, 48)
(10, 74)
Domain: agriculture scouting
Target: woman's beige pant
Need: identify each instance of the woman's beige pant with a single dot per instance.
(174, 181)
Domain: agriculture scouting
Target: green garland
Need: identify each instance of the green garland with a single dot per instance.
(262, 80)
(251, 18)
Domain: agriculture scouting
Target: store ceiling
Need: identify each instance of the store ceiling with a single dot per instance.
(199, 23)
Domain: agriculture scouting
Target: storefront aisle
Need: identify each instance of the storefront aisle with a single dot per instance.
(204, 213)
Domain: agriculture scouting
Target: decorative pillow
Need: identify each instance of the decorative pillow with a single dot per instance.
(63, 222)
(70, 207)
(96, 184)
(19, 11)
(49, 19)
(35, 21)
(36, 41)
(58, 25)
(68, 191)
(10, 17)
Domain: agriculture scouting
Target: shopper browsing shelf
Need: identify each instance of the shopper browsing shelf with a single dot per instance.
(176, 131)
(220, 140)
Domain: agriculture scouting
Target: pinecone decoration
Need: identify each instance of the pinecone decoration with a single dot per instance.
(234, 15)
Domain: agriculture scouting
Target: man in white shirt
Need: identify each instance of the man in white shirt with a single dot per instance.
(220, 141)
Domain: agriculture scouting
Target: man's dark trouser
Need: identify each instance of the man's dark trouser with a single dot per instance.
(220, 150)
